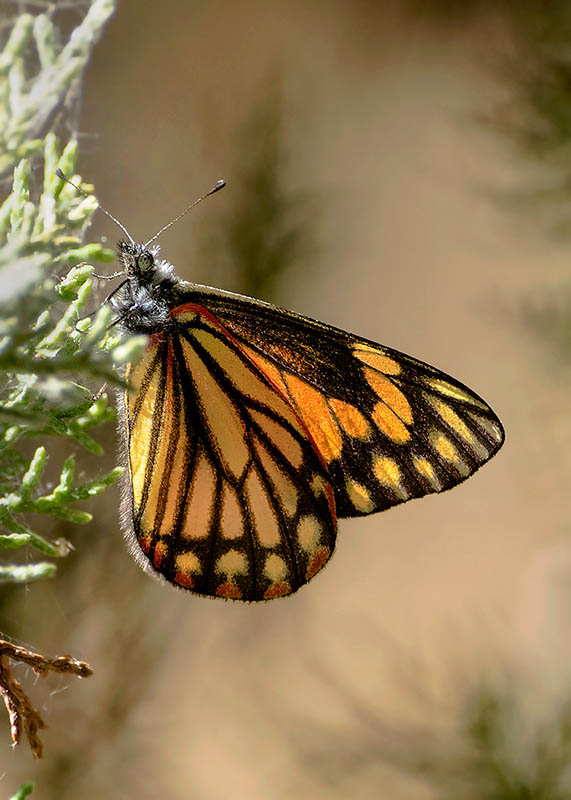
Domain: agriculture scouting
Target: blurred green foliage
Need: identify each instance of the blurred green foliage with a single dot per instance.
(499, 753)
(534, 69)
(482, 742)
(548, 317)
(532, 63)
(268, 232)
(44, 345)
(40, 72)
(24, 791)
(44, 348)
(52, 356)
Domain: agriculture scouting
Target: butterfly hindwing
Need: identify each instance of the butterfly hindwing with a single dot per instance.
(388, 427)
(228, 494)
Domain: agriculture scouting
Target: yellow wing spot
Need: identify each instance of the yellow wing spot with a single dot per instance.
(313, 409)
(388, 474)
(350, 419)
(359, 496)
(280, 437)
(231, 563)
(444, 447)
(457, 424)
(454, 392)
(372, 357)
(389, 424)
(451, 418)
(425, 468)
(390, 394)
(275, 568)
(188, 563)
(448, 451)
(266, 526)
(308, 533)
(140, 437)
(231, 519)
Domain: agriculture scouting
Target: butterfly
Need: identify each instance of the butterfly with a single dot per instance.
(250, 430)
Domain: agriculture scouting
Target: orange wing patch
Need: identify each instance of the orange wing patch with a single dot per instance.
(375, 358)
(312, 407)
(350, 419)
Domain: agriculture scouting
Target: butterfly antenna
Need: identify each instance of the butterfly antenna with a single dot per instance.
(216, 188)
(63, 177)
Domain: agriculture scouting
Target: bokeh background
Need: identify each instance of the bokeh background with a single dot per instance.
(399, 169)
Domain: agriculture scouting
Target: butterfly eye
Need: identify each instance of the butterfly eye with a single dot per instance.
(146, 261)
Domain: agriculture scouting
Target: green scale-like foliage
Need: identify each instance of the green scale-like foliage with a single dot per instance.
(47, 351)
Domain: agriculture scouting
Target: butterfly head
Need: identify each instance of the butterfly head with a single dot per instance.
(141, 264)
(143, 298)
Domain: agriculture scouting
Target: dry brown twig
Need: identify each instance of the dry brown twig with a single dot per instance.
(23, 715)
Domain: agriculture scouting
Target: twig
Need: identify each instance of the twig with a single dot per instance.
(23, 715)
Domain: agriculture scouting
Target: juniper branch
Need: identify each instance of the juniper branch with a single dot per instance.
(24, 718)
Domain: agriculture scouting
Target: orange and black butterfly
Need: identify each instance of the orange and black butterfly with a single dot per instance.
(252, 429)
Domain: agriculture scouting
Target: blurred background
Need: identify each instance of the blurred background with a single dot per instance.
(401, 170)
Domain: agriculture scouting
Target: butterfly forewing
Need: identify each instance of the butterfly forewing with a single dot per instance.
(230, 496)
(388, 427)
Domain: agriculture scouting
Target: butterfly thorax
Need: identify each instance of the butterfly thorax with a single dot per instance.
(145, 298)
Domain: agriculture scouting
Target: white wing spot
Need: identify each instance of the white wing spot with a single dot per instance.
(188, 563)
(309, 533)
(275, 568)
(232, 563)
(359, 496)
